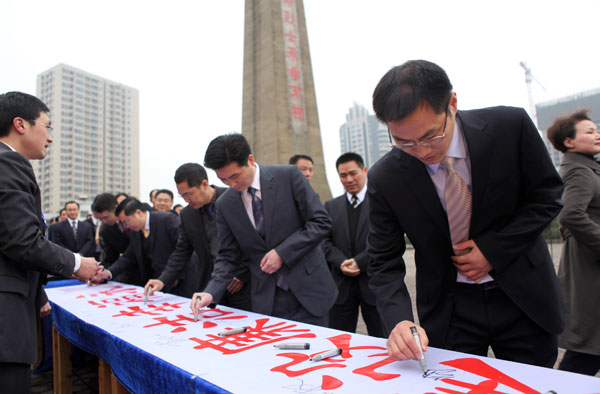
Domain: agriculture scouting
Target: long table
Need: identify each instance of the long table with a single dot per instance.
(158, 348)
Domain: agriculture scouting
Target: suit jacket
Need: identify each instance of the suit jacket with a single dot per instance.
(114, 242)
(515, 195)
(25, 256)
(164, 231)
(580, 261)
(62, 234)
(337, 248)
(295, 223)
(193, 238)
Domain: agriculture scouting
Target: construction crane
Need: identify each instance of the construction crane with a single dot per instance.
(528, 80)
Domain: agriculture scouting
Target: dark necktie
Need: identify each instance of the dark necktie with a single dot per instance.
(257, 212)
(75, 230)
(259, 222)
(354, 201)
(210, 210)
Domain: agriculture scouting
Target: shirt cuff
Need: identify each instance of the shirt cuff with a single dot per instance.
(77, 262)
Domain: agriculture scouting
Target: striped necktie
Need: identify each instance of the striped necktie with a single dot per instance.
(354, 201)
(458, 202)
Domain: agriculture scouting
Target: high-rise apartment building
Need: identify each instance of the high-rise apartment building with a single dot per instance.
(364, 134)
(550, 110)
(96, 138)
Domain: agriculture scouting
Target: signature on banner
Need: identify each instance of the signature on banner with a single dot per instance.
(367, 361)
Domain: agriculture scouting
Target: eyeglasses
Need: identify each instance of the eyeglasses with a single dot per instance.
(50, 128)
(423, 142)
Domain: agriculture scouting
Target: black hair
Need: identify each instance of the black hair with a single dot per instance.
(71, 202)
(294, 159)
(227, 149)
(19, 105)
(133, 205)
(192, 173)
(350, 156)
(164, 191)
(405, 88)
(104, 202)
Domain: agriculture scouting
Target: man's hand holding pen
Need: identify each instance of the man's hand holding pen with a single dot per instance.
(200, 300)
(401, 344)
(154, 285)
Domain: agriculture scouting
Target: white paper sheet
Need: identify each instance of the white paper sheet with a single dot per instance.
(249, 362)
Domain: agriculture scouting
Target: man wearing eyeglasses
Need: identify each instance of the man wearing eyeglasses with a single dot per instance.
(473, 191)
(26, 255)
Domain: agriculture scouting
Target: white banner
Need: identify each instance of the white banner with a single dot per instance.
(249, 362)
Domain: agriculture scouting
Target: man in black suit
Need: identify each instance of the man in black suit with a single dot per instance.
(272, 221)
(76, 235)
(153, 236)
(305, 163)
(198, 238)
(473, 191)
(345, 249)
(114, 238)
(26, 255)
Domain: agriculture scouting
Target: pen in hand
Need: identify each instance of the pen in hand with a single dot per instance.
(422, 362)
(146, 295)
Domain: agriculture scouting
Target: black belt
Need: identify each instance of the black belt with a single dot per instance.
(481, 286)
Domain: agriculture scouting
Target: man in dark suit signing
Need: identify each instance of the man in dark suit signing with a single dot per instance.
(74, 234)
(473, 191)
(152, 239)
(26, 255)
(345, 249)
(198, 238)
(272, 220)
(114, 237)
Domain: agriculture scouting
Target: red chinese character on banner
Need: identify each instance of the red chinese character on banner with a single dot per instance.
(294, 73)
(182, 321)
(150, 310)
(260, 335)
(494, 378)
(117, 290)
(289, 18)
(297, 112)
(173, 323)
(292, 53)
(135, 311)
(341, 341)
(291, 37)
(295, 91)
(289, 2)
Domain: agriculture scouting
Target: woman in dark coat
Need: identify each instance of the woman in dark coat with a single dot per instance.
(579, 274)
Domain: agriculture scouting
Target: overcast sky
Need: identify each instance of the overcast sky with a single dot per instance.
(186, 58)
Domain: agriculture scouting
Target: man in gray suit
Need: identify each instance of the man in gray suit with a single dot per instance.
(26, 255)
(272, 217)
(346, 249)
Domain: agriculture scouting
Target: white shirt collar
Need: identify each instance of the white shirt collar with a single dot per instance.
(147, 226)
(361, 194)
(11, 148)
(457, 148)
(256, 181)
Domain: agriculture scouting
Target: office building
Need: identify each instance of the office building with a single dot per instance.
(96, 138)
(364, 134)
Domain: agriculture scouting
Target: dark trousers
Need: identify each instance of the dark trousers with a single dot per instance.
(345, 316)
(287, 306)
(15, 378)
(587, 364)
(488, 318)
(239, 300)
